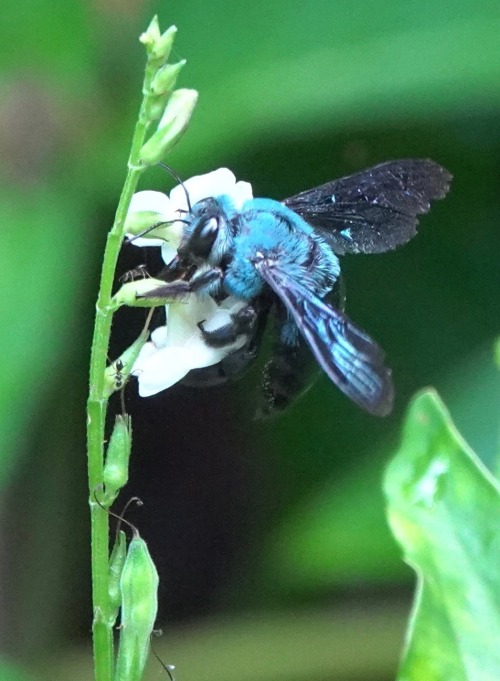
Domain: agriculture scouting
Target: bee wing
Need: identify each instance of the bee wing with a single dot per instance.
(350, 358)
(374, 210)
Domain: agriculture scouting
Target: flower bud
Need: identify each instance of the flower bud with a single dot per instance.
(139, 605)
(129, 294)
(158, 46)
(173, 123)
(115, 475)
(155, 106)
(116, 563)
(118, 372)
(163, 46)
(152, 34)
(164, 79)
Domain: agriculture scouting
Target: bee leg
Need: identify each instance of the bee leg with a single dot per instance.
(242, 322)
(236, 363)
(287, 375)
(207, 281)
(228, 369)
(132, 275)
(180, 288)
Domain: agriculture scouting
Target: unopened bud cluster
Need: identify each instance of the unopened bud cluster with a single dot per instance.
(173, 108)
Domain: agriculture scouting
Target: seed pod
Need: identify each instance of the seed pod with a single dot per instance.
(139, 605)
(115, 475)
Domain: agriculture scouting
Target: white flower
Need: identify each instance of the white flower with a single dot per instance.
(149, 207)
(179, 346)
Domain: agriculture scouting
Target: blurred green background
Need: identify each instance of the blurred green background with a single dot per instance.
(273, 551)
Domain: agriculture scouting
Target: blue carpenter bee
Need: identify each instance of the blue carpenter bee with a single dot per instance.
(282, 258)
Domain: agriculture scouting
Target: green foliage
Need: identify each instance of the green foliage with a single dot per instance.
(39, 327)
(444, 509)
(337, 536)
(369, 63)
(10, 672)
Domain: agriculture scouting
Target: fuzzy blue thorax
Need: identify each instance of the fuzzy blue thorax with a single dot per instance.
(269, 230)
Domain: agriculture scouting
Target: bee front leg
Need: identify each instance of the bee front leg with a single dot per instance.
(180, 288)
(207, 281)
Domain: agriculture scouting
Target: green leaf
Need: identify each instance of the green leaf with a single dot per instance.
(444, 509)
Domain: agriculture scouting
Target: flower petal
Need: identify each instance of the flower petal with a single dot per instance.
(147, 350)
(148, 208)
(164, 367)
(241, 192)
(168, 250)
(162, 370)
(183, 318)
(159, 336)
(179, 346)
(216, 183)
(151, 202)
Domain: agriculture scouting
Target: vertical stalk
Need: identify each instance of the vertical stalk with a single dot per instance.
(103, 618)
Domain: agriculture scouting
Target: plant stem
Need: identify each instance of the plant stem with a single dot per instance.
(96, 412)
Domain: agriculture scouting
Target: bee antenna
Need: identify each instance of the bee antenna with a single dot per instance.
(176, 177)
(130, 240)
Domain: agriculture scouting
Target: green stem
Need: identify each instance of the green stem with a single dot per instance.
(96, 411)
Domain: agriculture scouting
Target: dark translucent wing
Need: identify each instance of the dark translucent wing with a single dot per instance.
(375, 210)
(350, 358)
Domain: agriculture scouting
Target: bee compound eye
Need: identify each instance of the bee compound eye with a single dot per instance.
(209, 229)
(204, 238)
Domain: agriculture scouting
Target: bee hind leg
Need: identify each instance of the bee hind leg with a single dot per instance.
(287, 375)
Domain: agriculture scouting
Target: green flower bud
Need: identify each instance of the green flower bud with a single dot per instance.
(115, 474)
(139, 605)
(152, 34)
(163, 46)
(116, 563)
(164, 79)
(129, 294)
(155, 106)
(118, 372)
(173, 123)
(158, 46)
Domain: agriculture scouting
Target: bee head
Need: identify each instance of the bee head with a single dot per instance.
(206, 237)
